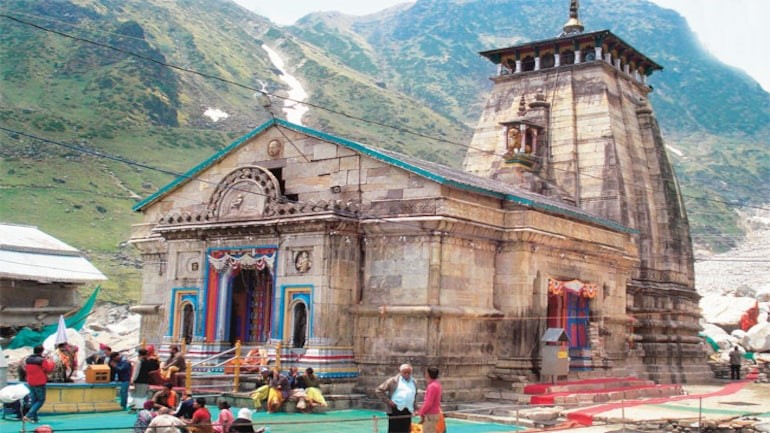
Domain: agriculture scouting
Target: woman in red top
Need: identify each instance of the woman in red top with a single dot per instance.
(201, 420)
(430, 411)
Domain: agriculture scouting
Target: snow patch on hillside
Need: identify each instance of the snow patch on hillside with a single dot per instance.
(215, 114)
(293, 106)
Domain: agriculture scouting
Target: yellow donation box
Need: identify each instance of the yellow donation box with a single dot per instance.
(98, 373)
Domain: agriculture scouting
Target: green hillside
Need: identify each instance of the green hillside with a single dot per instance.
(715, 116)
(97, 84)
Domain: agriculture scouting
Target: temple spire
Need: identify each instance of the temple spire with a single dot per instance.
(573, 24)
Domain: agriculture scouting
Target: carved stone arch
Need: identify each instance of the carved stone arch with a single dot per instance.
(244, 192)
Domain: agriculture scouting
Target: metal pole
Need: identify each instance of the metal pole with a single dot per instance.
(700, 414)
(375, 427)
(623, 412)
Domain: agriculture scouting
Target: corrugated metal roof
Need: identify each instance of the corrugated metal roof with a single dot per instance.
(26, 253)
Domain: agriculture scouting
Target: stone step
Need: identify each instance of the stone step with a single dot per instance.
(590, 386)
(509, 397)
(504, 413)
(605, 395)
(334, 401)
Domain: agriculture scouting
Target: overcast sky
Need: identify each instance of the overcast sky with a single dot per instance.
(731, 29)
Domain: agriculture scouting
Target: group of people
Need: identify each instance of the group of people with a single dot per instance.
(165, 413)
(40, 368)
(140, 373)
(399, 393)
(276, 387)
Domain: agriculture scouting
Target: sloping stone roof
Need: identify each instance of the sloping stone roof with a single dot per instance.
(435, 172)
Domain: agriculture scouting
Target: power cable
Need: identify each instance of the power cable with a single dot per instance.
(268, 95)
(197, 201)
(237, 84)
(178, 175)
(69, 270)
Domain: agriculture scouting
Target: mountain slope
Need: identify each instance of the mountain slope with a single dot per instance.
(715, 116)
(133, 80)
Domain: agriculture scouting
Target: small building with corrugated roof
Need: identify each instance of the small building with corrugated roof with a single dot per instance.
(39, 277)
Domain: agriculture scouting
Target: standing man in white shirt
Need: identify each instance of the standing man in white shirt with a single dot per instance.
(399, 393)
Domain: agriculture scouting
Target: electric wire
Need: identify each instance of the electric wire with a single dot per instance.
(399, 129)
(237, 84)
(268, 95)
(127, 161)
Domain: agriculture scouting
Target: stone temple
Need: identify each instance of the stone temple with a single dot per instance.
(351, 259)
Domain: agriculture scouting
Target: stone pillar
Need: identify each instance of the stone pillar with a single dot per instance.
(598, 52)
(500, 68)
(222, 298)
(577, 56)
(506, 139)
(534, 141)
(518, 67)
(627, 69)
(523, 131)
(537, 63)
(556, 60)
(608, 58)
(617, 64)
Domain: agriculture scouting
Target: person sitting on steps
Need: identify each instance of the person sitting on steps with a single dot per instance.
(175, 362)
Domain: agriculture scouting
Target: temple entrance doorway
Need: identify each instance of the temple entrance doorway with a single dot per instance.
(299, 322)
(251, 306)
(188, 322)
(569, 308)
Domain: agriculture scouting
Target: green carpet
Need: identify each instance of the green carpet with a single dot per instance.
(353, 420)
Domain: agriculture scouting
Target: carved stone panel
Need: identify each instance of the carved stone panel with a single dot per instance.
(245, 192)
(187, 264)
(303, 261)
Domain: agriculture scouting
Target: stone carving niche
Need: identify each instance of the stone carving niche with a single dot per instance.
(244, 192)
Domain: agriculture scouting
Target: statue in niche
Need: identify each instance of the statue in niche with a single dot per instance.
(237, 201)
(274, 148)
(247, 198)
(513, 143)
(302, 262)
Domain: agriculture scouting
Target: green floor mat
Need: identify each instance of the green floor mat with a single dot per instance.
(353, 420)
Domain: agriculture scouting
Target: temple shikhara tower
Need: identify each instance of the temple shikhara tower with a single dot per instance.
(571, 119)
(351, 259)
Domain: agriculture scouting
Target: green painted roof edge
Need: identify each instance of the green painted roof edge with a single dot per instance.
(568, 212)
(444, 181)
(373, 153)
(200, 167)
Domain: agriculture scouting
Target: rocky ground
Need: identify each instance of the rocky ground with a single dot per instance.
(735, 281)
(742, 271)
(109, 324)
